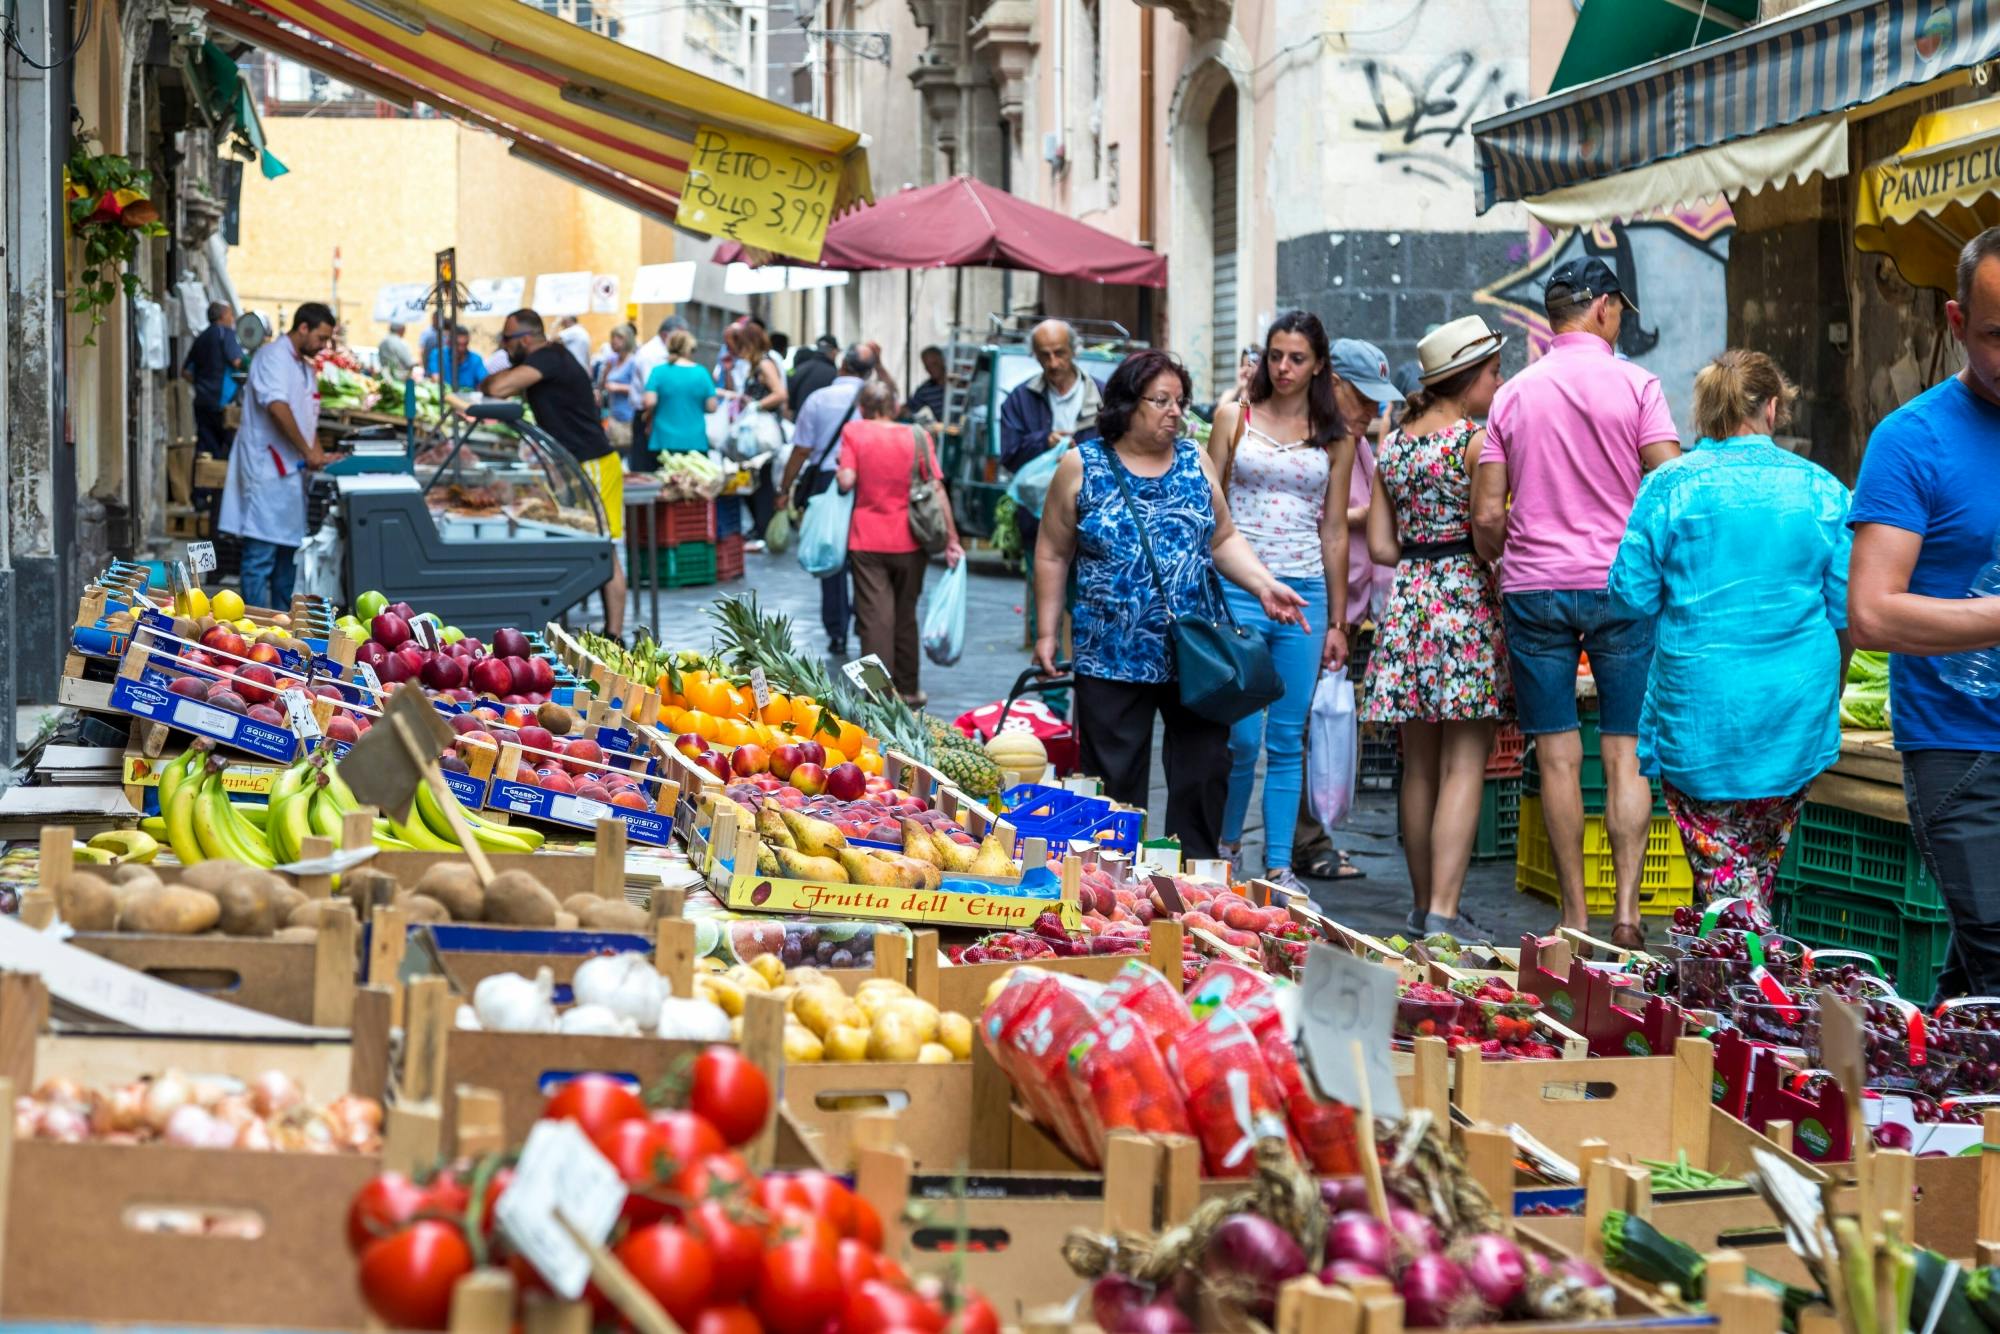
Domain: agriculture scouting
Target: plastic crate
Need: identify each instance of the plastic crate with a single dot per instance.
(729, 557)
(1666, 881)
(1863, 855)
(728, 516)
(1911, 950)
(1381, 762)
(1499, 821)
(689, 565)
(1504, 760)
(683, 521)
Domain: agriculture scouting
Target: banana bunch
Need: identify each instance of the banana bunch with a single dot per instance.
(116, 847)
(310, 799)
(201, 822)
(429, 829)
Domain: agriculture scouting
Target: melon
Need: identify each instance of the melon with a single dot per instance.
(1020, 754)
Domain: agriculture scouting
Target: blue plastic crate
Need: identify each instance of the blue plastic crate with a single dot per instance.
(1117, 831)
(728, 515)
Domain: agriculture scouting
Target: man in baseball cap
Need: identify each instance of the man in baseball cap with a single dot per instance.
(1579, 283)
(1363, 366)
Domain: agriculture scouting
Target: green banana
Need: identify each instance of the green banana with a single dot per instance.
(179, 816)
(156, 825)
(324, 815)
(385, 838)
(431, 813)
(257, 813)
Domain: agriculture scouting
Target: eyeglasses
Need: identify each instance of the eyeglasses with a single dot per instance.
(1165, 404)
(510, 337)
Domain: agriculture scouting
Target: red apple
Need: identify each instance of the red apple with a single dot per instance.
(325, 691)
(371, 653)
(475, 739)
(442, 673)
(390, 630)
(809, 778)
(690, 744)
(785, 759)
(714, 763)
(267, 715)
(536, 738)
(451, 762)
(845, 781)
(414, 658)
(491, 677)
(395, 670)
(592, 792)
(341, 728)
(194, 687)
(750, 759)
(812, 752)
(465, 722)
(226, 642)
(510, 643)
(544, 675)
(557, 782)
(229, 700)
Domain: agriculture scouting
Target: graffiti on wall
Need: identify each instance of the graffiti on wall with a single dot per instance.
(1424, 119)
(1677, 259)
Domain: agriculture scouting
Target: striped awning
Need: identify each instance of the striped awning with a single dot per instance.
(606, 115)
(1825, 58)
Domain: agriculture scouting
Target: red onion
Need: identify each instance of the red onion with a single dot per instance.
(1161, 1317)
(1114, 1297)
(1344, 1194)
(1434, 1292)
(1417, 1234)
(1362, 1238)
(1250, 1248)
(1495, 1268)
(1587, 1275)
(1350, 1271)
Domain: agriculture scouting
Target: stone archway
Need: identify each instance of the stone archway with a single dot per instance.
(1214, 79)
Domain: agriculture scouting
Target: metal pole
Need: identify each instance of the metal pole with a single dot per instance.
(909, 323)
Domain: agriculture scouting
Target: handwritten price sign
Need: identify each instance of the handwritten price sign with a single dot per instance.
(768, 195)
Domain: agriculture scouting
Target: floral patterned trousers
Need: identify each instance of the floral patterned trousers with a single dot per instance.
(1735, 846)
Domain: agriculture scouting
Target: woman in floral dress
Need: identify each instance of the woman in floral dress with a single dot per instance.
(1439, 668)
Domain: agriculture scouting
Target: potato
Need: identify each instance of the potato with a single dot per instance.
(615, 915)
(312, 912)
(246, 907)
(566, 921)
(89, 903)
(297, 933)
(455, 886)
(418, 908)
(285, 900)
(368, 889)
(131, 871)
(170, 910)
(516, 898)
(211, 876)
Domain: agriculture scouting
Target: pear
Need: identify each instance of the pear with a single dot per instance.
(863, 869)
(992, 859)
(917, 842)
(952, 854)
(767, 861)
(815, 837)
(801, 866)
(929, 876)
(771, 827)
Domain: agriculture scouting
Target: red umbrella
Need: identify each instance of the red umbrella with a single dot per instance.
(963, 222)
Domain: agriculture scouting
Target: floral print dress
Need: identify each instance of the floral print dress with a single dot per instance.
(1439, 653)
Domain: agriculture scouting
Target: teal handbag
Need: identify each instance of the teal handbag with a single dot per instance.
(1225, 672)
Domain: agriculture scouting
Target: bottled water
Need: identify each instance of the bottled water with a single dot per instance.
(1977, 671)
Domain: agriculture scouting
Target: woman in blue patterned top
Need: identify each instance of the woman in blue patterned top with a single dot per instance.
(1124, 664)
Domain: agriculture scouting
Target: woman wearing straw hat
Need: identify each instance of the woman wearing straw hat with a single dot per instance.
(1439, 668)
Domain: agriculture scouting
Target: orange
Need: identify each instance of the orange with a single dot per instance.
(869, 761)
(716, 697)
(675, 717)
(852, 738)
(735, 732)
(703, 725)
(805, 719)
(779, 711)
(834, 756)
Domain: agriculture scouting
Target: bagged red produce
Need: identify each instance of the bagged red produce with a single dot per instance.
(1142, 991)
(1030, 1027)
(1252, 996)
(1324, 1130)
(1120, 1081)
(1232, 1101)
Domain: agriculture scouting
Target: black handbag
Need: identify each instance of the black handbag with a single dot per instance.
(1225, 672)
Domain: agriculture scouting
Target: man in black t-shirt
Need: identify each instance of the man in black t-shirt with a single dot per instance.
(560, 394)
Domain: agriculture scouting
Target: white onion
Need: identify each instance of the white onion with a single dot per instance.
(273, 1092)
(190, 1127)
(167, 1095)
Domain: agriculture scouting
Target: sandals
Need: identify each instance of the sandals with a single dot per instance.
(1629, 936)
(1333, 866)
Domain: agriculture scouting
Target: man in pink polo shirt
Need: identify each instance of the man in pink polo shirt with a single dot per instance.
(1570, 437)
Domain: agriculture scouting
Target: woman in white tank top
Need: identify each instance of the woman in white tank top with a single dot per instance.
(1285, 455)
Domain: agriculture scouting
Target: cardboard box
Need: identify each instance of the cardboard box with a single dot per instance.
(210, 474)
(180, 474)
(274, 977)
(932, 1103)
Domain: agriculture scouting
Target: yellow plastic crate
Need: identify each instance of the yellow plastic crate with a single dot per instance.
(1666, 881)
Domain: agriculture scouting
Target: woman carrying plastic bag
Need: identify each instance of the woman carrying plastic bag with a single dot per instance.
(823, 532)
(1333, 746)
(944, 618)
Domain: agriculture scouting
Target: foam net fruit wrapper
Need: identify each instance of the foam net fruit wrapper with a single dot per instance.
(1143, 992)
(1030, 1027)
(1249, 995)
(1232, 1101)
(1120, 1081)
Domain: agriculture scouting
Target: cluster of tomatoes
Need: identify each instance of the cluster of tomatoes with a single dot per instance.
(722, 1248)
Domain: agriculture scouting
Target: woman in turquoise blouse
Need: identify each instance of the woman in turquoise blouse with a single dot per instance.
(1739, 548)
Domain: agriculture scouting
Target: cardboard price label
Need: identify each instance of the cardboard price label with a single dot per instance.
(299, 715)
(560, 1169)
(768, 195)
(1345, 1000)
(201, 556)
(369, 679)
(760, 689)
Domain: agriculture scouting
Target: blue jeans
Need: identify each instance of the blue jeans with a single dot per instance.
(1548, 629)
(268, 574)
(1280, 730)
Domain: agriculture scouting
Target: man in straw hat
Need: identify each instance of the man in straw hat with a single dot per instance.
(1570, 437)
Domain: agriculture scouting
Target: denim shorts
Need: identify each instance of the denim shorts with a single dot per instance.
(1548, 629)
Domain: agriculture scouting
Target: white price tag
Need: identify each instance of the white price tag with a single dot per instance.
(426, 635)
(760, 689)
(201, 555)
(1344, 1000)
(368, 678)
(559, 1168)
(579, 810)
(299, 714)
(203, 718)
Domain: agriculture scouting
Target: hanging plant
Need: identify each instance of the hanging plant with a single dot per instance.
(109, 211)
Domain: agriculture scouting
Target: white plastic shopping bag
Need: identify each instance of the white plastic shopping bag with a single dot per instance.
(823, 532)
(1030, 487)
(1333, 747)
(944, 618)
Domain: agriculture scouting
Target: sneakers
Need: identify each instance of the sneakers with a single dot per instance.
(1283, 878)
(1233, 854)
(1437, 924)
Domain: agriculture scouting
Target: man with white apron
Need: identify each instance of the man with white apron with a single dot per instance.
(264, 498)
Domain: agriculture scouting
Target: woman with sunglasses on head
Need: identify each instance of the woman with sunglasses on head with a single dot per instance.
(1284, 455)
(1143, 476)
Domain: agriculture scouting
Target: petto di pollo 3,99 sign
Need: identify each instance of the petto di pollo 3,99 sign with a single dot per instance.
(768, 195)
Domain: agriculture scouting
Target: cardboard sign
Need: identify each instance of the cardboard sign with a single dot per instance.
(769, 195)
(299, 714)
(560, 1169)
(939, 907)
(201, 555)
(248, 780)
(380, 768)
(367, 677)
(1345, 1000)
(760, 688)
(869, 674)
(1841, 1042)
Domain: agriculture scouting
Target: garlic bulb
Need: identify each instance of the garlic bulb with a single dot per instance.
(596, 1021)
(628, 985)
(693, 1020)
(467, 1020)
(510, 1003)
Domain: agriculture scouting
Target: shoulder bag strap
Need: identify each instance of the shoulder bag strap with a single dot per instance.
(1146, 544)
(918, 440)
(819, 456)
(1242, 425)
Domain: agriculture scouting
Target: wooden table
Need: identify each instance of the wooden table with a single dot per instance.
(1868, 777)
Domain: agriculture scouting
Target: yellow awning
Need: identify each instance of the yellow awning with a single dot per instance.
(524, 72)
(1921, 206)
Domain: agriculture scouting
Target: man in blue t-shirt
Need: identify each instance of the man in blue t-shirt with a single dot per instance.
(467, 370)
(1926, 515)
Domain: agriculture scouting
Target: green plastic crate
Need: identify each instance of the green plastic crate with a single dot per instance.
(689, 565)
(1863, 855)
(1499, 821)
(1911, 950)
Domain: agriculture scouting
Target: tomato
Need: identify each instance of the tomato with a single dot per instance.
(728, 1320)
(686, 1137)
(799, 1290)
(719, 1176)
(826, 1196)
(976, 1315)
(407, 1279)
(594, 1102)
(446, 1194)
(673, 1265)
(777, 1190)
(857, 1262)
(380, 1208)
(795, 1222)
(527, 1278)
(889, 1271)
(735, 1244)
(730, 1093)
(496, 1186)
(634, 1148)
(867, 1223)
(875, 1307)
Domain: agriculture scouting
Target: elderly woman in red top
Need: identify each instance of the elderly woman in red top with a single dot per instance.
(877, 457)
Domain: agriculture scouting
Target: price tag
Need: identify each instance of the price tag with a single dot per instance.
(1169, 892)
(372, 682)
(299, 714)
(425, 634)
(1345, 999)
(1840, 1042)
(201, 556)
(760, 688)
(869, 674)
(770, 195)
(560, 1169)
